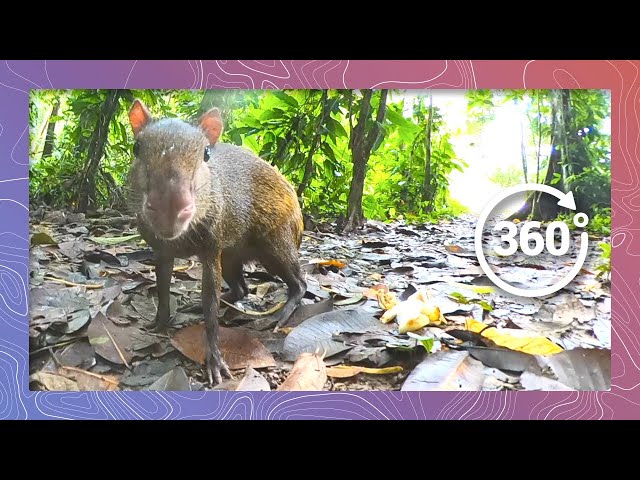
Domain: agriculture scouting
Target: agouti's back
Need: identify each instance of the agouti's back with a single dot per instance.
(255, 199)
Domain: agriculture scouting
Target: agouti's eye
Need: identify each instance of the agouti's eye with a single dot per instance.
(207, 154)
(136, 148)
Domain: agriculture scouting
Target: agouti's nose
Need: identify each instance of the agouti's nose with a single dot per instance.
(186, 212)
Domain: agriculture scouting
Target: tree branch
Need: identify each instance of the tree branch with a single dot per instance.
(375, 131)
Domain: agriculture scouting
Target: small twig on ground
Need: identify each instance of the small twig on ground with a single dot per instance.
(149, 332)
(116, 347)
(91, 374)
(61, 344)
(184, 268)
(55, 359)
(305, 234)
(71, 284)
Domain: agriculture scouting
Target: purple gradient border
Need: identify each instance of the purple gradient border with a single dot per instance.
(18, 77)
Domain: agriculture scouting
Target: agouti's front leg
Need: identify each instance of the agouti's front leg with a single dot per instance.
(211, 284)
(164, 267)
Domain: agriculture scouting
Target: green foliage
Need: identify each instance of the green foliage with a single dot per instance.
(600, 222)
(480, 107)
(306, 134)
(507, 177)
(604, 268)
(589, 156)
(579, 115)
(394, 188)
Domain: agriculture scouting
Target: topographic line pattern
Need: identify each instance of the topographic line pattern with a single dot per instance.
(18, 77)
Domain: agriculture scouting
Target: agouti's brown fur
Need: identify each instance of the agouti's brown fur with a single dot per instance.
(195, 196)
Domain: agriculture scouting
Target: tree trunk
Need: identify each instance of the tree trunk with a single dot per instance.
(87, 194)
(50, 136)
(523, 152)
(308, 168)
(362, 143)
(568, 156)
(539, 138)
(427, 190)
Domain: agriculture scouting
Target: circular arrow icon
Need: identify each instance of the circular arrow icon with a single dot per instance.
(565, 200)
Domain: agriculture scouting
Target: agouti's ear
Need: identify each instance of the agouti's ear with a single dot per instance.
(139, 116)
(211, 124)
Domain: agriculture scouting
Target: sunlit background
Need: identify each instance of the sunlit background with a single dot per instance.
(496, 146)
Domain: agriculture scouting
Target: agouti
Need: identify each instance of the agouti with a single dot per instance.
(195, 196)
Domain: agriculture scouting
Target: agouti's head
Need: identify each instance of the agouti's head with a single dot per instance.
(170, 179)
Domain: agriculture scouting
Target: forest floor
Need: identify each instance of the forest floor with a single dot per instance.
(92, 297)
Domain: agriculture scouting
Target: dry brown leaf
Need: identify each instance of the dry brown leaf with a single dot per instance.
(53, 382)
(308, 374)
(263, 289)
(350, 300)
(345, 371)
(447, 370)
(239, 349)
(253, 382)
(454, 248)
(91, 382)
(372, 292)
(333, 263)
(112, 342)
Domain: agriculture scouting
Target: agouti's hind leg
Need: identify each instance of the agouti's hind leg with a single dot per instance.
(232, 274)
(287, 268)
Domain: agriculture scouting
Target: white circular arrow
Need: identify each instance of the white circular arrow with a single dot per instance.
(567, 201)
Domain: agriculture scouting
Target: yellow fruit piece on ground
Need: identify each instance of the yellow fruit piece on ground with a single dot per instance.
(387, 300)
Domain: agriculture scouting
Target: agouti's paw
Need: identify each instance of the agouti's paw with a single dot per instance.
(280, 320)
(216, 367)
(160, 324)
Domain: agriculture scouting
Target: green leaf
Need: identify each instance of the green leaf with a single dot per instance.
(481, 289)
(123, 132)
(252, 144)
(244, 130)
(252, 122)
(328, 151)
(266, 149)
(114, 240)
(269, 138)
(236, 137)
(272, 114)
(288, 99)
(485, 306)
(426, 342)
(459, 297)
(42, 238)
(340, 131)
(396, 117)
